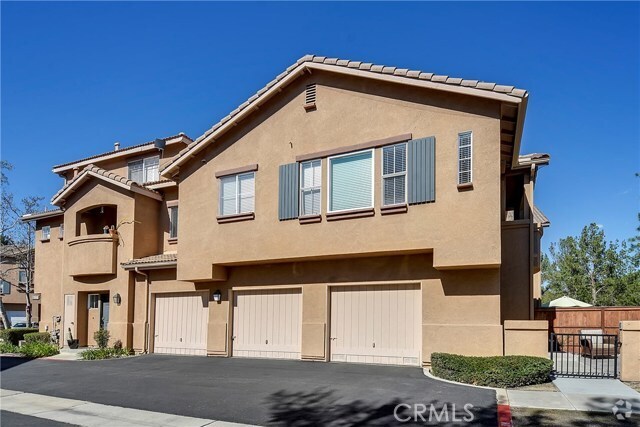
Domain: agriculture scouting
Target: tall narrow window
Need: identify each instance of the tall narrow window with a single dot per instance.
(173, 222)
(61, 231)
(136, 171)
(145, 170)
(237, 194)
(46, 233)
(394, 174)
(22, 277)
(6, 287)
(151, 169)
(465, 140)
(351, 181)
(310, 184)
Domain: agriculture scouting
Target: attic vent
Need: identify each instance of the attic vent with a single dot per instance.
(310, 97)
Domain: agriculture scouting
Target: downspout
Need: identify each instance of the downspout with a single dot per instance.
(147, 319)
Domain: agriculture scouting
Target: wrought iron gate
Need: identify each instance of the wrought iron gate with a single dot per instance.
(584, 355)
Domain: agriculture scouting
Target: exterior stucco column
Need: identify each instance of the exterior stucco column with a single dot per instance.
(630, 350)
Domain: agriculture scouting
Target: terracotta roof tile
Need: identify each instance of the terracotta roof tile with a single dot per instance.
(153, 259)
(365, 66)
(121, 150)
(539, 217)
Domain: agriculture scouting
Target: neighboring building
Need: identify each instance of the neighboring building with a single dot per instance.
(13, 281)
(347, 212)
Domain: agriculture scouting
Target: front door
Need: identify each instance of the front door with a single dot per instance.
(104, 311)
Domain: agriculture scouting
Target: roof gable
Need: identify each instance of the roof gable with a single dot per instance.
(93, 171)
(416, 78)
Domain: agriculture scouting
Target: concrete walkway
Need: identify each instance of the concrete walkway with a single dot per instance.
(81, 413)
(579, 394)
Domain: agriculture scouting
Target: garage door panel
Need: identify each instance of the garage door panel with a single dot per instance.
(267, 323)
(376, 324)
(181, 324)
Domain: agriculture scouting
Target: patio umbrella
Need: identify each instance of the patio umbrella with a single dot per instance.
(567, 302)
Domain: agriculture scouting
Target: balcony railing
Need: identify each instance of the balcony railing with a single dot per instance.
(92, 255)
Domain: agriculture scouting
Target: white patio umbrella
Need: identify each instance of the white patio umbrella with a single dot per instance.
(567, 302)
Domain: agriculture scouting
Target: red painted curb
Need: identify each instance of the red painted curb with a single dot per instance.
(504, 416)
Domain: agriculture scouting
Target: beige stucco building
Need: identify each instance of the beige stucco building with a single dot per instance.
(346, 212)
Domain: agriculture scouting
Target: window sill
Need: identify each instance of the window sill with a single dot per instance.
(310, 219)
(44, 240)
(351, 214)
(223, 219)
(394, 209)
(309, 107)
(172, 240)
(465, 187)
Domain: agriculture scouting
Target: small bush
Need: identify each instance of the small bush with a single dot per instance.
(104, 353)
(102, 337)
(497, 371)
(117, 345)
(43, 337)
(7, 347)
(37, 349)
(14, 336)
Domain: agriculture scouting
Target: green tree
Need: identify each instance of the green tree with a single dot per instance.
(590, 269)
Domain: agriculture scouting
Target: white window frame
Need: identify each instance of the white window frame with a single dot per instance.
(20, 280)
(302, 188)
(373, 179)
(144, 168)
(237, 177)
(45, 236)
(393, 175)
(470, 133)
(171, 208)
(61, 231)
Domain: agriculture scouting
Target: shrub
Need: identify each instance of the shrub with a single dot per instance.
(14, 336)
(104, 353)
(43, 337)
(102, 338)
(497, 371)
(38, 349)
(117, 345)
(7, 347)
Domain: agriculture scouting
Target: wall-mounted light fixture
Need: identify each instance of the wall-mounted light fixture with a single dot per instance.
(217, 296)
(117, 299)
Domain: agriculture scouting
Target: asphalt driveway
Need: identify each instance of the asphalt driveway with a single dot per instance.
(255, 391)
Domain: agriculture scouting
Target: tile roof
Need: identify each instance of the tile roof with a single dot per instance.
(534, 158)
(122, 150)
(539, 217)
(107, 175)
(356, 65)
(42, 214)
(153, 259)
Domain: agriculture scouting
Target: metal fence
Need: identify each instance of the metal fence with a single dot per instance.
(584, 355)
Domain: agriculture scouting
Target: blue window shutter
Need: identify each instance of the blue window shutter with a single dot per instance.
(421, 172)
(288, 192)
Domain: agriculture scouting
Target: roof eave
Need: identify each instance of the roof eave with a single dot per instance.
(522, 111)
(150, 265)
(41, 215)
(210, 136)
(117, 153)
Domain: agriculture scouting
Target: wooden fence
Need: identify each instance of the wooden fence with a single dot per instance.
(572, 320)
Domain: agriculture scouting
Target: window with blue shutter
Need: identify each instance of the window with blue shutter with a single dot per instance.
(421, 170)
(310, 187)
(394, 174)
(288, 190)
(351, 181)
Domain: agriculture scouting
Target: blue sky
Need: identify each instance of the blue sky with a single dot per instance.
(78, 76)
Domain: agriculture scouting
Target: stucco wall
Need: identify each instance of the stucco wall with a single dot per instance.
(462, 228)
(48, 273)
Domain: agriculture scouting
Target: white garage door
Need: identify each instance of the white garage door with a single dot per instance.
(376, 324)
(267, 323)
(181, 323)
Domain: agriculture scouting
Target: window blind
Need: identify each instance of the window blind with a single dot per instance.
(310, 187)
(394, 174)
(351, 185)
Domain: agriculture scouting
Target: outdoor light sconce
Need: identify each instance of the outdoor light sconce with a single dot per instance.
(117, 299)
(217, 296)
